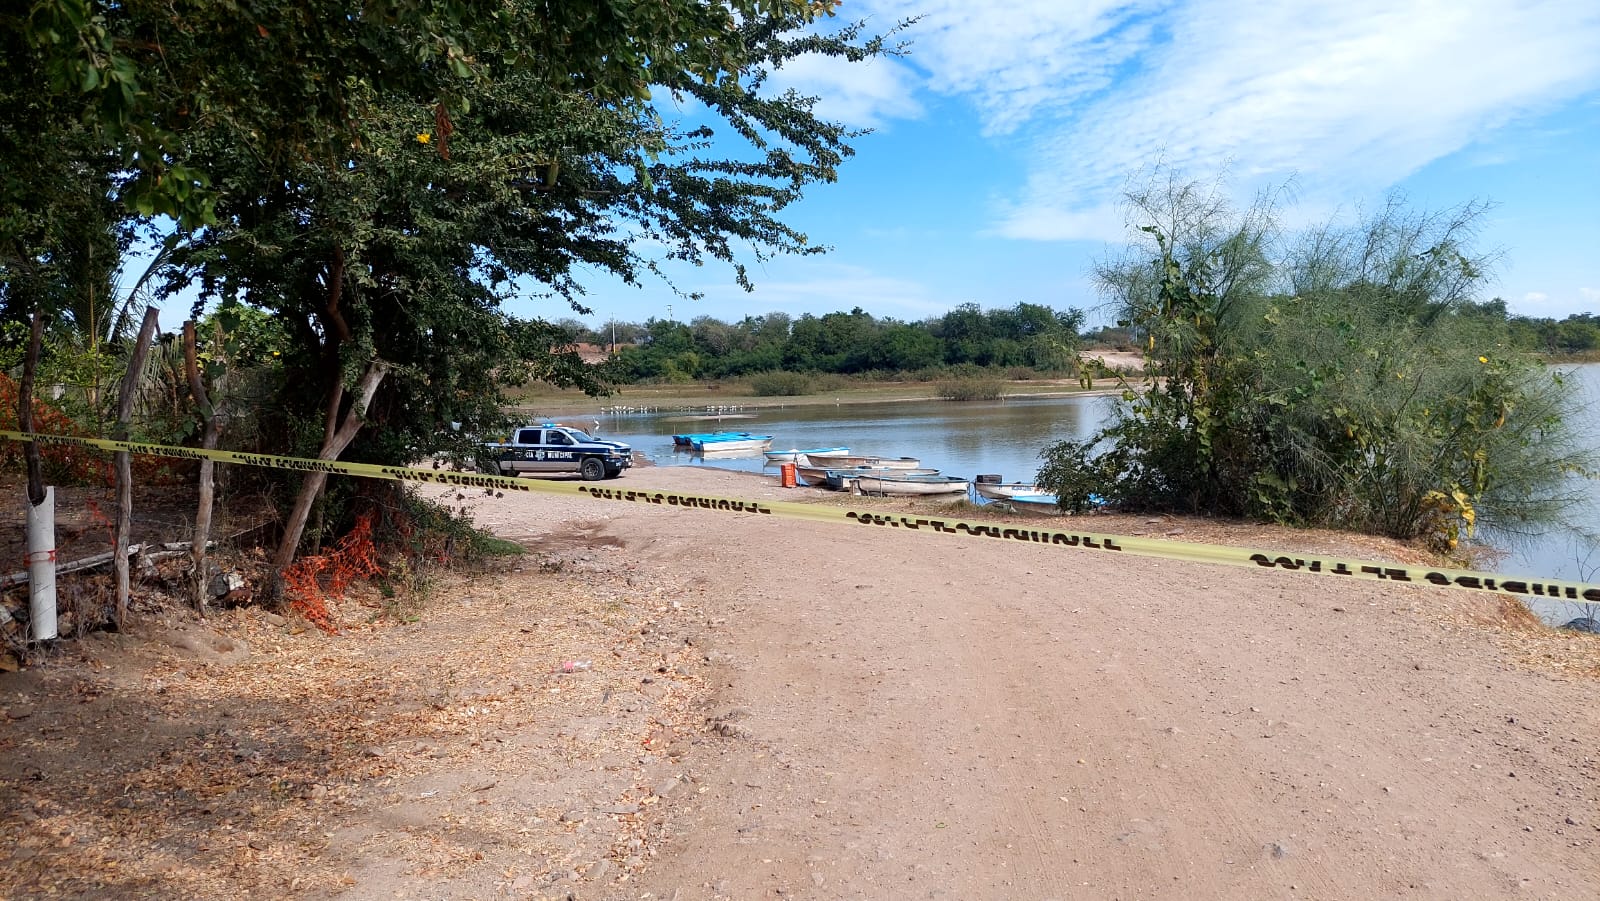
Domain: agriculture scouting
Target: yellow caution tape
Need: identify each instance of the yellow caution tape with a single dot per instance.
(1101, 543)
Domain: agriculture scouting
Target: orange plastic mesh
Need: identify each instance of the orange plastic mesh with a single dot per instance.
(314, 580)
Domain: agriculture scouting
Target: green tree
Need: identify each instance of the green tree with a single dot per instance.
(1345, 378)
(403, 238)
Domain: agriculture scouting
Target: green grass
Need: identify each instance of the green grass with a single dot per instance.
(490, 546)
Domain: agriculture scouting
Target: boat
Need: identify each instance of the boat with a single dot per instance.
(1024, 496)
(793, 454)
(845, 479)
(731, 444)
(1000, 491)
(899, 485)
(1045, 504)
(818, 476)
(689, 438)
(845, 461)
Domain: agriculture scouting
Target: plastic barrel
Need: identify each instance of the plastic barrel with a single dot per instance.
(786, 475)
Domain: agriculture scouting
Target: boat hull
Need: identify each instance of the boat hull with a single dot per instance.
(845, 461)
(748, 444)
(911, 486)
(834, 476)
(689, 439)
(997, 491)
(793, 456)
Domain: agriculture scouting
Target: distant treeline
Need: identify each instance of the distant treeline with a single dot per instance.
(1030, 336)
(1576, 335)
(1025, 336)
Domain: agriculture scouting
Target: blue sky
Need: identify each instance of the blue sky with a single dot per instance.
(1003, 141)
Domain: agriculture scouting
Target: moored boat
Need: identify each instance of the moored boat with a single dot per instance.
(1045, 504)
(731, 444)
(845, 461)
(1000, 491)
(845, 479)
(898, 485)
(689, 438)
(793, 455)
(820, 476)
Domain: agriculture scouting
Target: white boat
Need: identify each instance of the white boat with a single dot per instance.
(1044, 504)
(821, 476)
(845, 479)
(845, 461)
(1000, 491)
(793, 455)
(911, 486)
(1024, 496)
(733, 444)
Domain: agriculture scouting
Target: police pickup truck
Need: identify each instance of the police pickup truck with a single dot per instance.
(549, 447)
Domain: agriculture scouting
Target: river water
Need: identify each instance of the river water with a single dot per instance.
(1005, 438)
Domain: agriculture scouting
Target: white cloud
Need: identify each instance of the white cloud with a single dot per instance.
(1350, 97)
(860, 95)
(1590, 295)
(1535, 297)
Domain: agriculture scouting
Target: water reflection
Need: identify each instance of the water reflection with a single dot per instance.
(957, 438)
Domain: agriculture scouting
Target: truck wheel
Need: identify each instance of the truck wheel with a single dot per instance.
(593, 469)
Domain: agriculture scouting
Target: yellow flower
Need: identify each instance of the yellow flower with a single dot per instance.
(1483, 359)
(424, 138)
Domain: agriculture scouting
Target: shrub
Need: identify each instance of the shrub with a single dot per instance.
(972, 389)
(830, 381)
(780, 384)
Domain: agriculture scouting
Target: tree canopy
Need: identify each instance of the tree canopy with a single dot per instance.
(380, 179)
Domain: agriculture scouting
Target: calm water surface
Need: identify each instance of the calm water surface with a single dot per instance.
(1005, 438)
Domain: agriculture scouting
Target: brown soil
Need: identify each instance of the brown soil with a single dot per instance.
(776, 708)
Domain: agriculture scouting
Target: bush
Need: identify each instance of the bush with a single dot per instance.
(780, 384)
(1346, 380)
(830, 381)
(972, 389)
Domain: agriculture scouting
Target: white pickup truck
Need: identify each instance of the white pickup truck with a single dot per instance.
(550, 448)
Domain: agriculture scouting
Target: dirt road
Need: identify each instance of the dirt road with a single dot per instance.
(805, 710)
(930, 718)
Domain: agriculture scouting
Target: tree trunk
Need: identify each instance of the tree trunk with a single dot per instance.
(212, 419)
(333, 443)
(130, 381)
(30, 451)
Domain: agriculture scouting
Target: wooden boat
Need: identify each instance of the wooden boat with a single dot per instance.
(793, 455)
(845, 461)
(898, 485)
(731, 444)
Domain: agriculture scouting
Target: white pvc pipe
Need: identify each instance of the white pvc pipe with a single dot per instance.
(42, 567)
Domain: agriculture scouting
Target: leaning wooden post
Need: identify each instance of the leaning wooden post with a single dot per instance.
(124, 461)
(212, 419)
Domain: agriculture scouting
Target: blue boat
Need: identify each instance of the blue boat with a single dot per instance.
(689, 438)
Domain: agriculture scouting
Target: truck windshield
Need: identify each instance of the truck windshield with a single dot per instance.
(579, 434)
